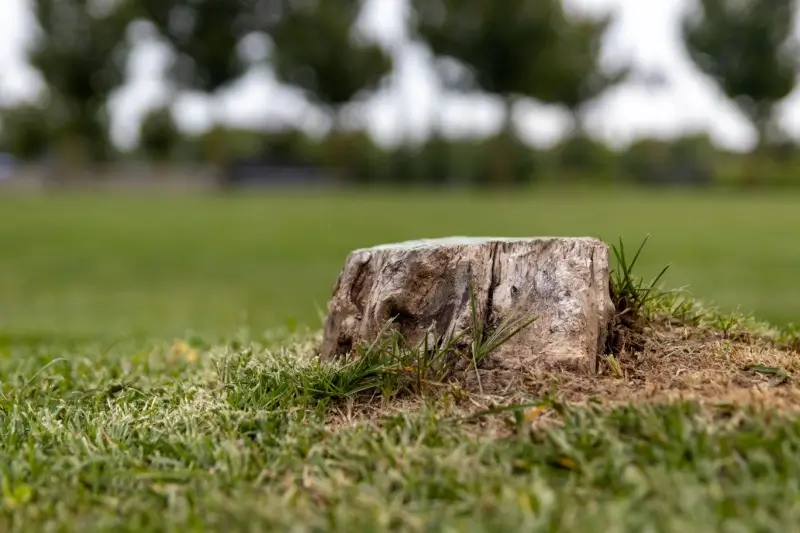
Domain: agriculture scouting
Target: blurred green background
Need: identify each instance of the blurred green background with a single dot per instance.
(222, 226)
(105, 265)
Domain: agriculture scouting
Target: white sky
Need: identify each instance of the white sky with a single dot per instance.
(645, 33)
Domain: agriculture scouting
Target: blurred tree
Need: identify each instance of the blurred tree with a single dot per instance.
(494, 47)
(580, 155)
(159, 136)
(691, 159)
(516, 48)
(222, 144)
(26, 131)
(206, 36)
(289, 146)
(81, 53)
(647, 161)
(500, 45)
(317, 50)
(686, 161)
(746, 46)
(576, 77)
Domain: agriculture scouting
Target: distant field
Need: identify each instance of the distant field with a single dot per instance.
(103, 265)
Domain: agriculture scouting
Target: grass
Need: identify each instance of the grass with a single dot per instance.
(629, 292)
(241, 438)
(157, 373)
(84, 266)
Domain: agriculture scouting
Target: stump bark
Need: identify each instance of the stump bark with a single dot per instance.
(426, 286)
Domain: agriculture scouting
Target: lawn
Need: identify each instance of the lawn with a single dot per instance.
(103, 266)
(109, 422)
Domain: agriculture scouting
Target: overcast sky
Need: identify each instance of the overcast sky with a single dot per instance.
(645, 33)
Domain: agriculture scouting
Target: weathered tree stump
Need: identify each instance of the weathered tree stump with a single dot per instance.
(425, 287)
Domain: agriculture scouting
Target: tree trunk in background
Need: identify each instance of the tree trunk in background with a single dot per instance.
(570, 159)
(337, 156)
(578, 123)
(502, 155)
(754, 164)
(437, 123)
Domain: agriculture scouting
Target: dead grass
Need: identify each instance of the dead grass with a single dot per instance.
(682, 363)
(673, 363)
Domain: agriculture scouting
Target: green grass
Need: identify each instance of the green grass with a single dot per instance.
(123, 439)
(105, 426)
(94, 265)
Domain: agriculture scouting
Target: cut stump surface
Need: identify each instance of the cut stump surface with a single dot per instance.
(424, 286)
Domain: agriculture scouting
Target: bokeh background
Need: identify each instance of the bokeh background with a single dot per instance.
(170, 166)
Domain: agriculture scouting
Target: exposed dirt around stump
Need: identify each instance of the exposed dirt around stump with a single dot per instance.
(675, 363)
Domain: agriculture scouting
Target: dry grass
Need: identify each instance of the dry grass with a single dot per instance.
(683, 363)
(674, 363)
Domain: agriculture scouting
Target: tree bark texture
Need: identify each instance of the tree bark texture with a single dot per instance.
(426, 286)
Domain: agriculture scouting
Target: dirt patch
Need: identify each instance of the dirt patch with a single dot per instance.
(669, 363)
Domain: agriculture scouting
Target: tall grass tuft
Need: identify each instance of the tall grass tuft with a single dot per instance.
(630, 294)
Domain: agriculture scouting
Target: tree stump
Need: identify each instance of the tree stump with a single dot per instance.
(426, 287)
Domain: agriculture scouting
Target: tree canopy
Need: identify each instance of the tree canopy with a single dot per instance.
(746, 47)
(317, 50)
(512, 49)
(81, 51)
(517, 48)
